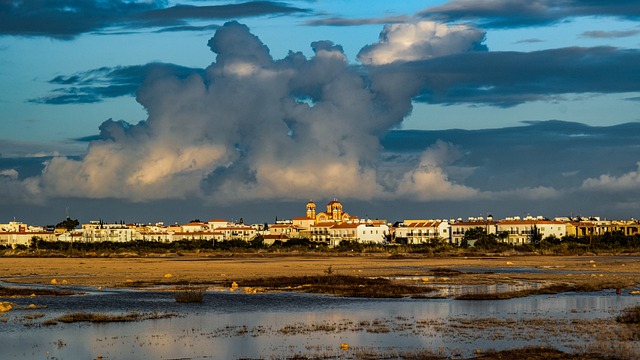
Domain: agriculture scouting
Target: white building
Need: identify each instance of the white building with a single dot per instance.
(520, 231)
(372, 233)
(422, 231)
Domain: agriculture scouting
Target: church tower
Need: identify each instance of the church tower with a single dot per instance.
(334, 209)
(311, 210)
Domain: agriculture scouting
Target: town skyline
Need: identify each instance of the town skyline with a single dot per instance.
(328, 225)
(298, 210)
(177, 109)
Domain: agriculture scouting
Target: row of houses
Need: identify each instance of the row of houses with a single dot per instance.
(330, 227)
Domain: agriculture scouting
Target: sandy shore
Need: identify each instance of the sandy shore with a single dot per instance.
(118, 272)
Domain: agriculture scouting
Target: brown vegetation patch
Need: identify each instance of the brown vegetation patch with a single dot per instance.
(535, 353)
(107, 318)
(630, 316)
(340, 285)
(445, 272)
(547, 290)
(20, 292)
(190, 294)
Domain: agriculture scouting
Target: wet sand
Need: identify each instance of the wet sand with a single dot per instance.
(197, 268)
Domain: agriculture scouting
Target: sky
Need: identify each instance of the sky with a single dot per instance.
(172, 110)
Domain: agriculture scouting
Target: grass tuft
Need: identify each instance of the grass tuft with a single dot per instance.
(630, 316)
(190, 294)
(107, 318)
(340, 285)
(20, 291)
(547, 290)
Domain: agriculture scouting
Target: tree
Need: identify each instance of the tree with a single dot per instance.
(473, 234)
(34, 242)
(68, 224)
(536, 236)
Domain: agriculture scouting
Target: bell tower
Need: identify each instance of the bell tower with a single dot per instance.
(311, 210)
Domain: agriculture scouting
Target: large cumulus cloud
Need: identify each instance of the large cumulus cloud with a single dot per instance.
(248, 127)
(251, 127)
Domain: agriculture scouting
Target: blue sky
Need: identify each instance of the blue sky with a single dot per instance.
(145, 110)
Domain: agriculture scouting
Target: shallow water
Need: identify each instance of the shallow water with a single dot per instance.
(280, 325)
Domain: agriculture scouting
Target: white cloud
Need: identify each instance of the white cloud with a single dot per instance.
(240, 131)
(10, 173)
(420, 41)
(429, 181)
(626, 182)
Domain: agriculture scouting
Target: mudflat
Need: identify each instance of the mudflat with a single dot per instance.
(615, 271)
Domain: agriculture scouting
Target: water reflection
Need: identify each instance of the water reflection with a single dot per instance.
(281, 325)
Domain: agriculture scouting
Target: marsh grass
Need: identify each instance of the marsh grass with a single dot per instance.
(630, 316)
(547, 290)
(20, 291)
(535, 353)
(107, 318)
(190, 294)
(445, 272)
(340, 285)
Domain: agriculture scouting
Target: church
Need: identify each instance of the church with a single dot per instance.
(334, 213)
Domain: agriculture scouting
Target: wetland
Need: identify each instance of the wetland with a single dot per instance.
(267, 308)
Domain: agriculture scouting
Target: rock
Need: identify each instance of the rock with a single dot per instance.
(344, 346)
(234, 285)
(54, 281)
(168, 276)
(32, 307)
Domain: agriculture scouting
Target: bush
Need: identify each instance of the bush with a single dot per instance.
(190, 294)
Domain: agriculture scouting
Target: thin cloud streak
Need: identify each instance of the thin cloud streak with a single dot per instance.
(517, 13)
(601, 34)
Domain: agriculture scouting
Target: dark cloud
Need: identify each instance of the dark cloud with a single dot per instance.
(600, 34)
(539, 153)
(96, 85)
(250, 129)
(65, 19)
(517, 13)
(180, 13)
(511, 78)
(543, 153)
(528, 41)
(338, 21)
